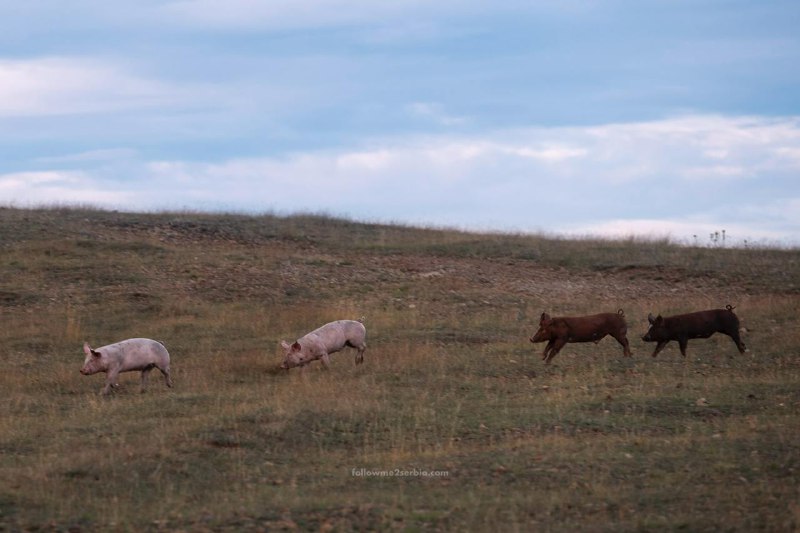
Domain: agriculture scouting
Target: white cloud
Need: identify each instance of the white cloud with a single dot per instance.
(58, 187)
(718, 172)
(688, 230)
(107, 154)
(69, 86)
(551, 153)
(435, 113)
(790, 153)
(693, 147)
(618, 179)
(772, 221)
(373, 161)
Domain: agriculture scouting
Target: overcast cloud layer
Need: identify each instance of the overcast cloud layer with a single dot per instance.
(663, 118)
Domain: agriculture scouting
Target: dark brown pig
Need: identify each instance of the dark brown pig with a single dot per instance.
(699, 325)
(563, 329)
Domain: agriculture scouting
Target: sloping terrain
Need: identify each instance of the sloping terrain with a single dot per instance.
(451, 385)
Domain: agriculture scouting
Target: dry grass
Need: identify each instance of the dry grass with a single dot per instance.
(592, 442)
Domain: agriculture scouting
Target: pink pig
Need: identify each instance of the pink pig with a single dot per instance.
(323, 341)
(126, 356)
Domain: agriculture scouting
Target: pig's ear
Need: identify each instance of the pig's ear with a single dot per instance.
(659, 319)
(651, 318)
(87, 349)
(545, 318)
(285, 345)
(296, 347)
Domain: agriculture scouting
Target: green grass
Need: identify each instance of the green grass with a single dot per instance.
(451, 384)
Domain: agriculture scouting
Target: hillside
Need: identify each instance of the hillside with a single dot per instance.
(450, 384)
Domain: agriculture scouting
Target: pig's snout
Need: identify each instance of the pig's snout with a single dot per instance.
(84, 371)
(531, 339)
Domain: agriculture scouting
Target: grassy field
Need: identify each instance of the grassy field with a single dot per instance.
(453, 401)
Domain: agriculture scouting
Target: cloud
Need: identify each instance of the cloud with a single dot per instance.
(59, 187)
(549, 153)
(615, 179)
(435, 113)
(70, 86)
(108, 154)
(692, 229)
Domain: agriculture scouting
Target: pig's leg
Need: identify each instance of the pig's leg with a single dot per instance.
(659, 347)
(557, 345)
(111, 381)
(360, 354)
(547, 349)
(683, 343)
(145, 374)
(326, 361)
(360, 347)
(739, 344)
(623, 340)
(167, 375)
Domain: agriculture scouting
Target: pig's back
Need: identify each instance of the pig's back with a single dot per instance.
(336, 334)
(354, 329)
(138, 349)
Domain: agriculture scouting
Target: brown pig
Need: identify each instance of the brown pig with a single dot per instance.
(698, 325)
(560, 330)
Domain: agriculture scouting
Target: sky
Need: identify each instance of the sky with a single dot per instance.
(612, 118)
